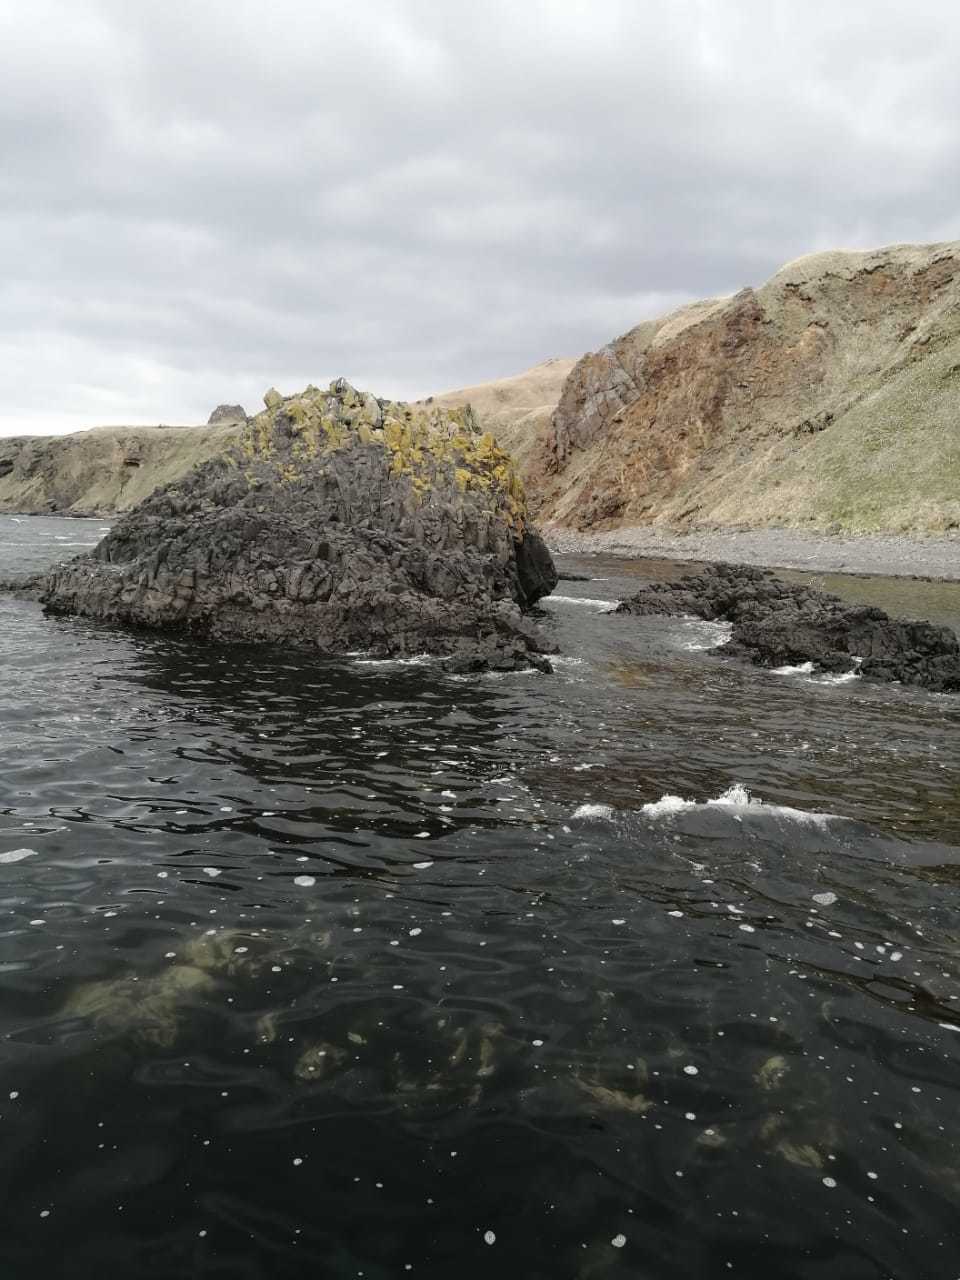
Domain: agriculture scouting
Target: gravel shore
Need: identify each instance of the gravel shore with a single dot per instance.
(889, 554)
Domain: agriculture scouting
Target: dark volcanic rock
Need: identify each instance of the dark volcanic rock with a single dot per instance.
(777, 623)
(227, 413)
(341, 522)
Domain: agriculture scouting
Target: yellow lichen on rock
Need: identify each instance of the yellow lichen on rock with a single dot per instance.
(425, 446)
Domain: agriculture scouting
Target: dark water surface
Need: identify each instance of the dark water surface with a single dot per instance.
(353, 969)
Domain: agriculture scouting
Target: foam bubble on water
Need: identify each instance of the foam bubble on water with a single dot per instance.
(305, 882)
(211, 871)
(416, 660)
(825, 899)
(18, 855)
(810, 669)
(593, 811)
(707, 635)
(421, 866)
(844, 678)
(737, 800)
(489, 1237)
(603, 606)
(619, 1240)
(668, 804)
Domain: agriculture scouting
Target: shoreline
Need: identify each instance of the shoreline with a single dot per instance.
(935, 557)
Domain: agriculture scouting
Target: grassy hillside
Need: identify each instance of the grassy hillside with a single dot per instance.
(101, 471)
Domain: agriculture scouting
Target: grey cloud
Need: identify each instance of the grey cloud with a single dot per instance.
(198, 200)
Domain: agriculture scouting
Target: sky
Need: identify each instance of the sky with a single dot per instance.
(202, 199)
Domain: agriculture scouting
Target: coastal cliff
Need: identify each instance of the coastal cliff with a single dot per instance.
(104, 470)
(827, 399)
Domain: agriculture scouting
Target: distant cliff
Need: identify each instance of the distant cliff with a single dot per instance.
(827, 399)
(101, 471)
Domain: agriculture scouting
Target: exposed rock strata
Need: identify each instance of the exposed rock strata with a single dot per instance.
(339, 522)
(776, 623)
(825, 399)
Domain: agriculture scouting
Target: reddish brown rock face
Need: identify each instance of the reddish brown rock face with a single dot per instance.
(751, 409)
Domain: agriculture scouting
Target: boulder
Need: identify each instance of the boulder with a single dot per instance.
(227, 413)
(339, 522)
(777, 623)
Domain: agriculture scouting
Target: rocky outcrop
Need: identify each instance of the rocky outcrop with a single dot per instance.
(337, 522)
(227, 413)
(777, 623)
(825, 399)
(87, 472)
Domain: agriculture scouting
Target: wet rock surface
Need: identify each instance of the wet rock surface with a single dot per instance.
(340, 522)
(777, 623)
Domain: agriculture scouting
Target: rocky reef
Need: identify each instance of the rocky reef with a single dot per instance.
(777, 623)
(338, 522)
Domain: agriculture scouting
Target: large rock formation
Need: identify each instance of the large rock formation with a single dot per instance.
(777, 623)
(826, 399)
(88, 472)
(339, 522)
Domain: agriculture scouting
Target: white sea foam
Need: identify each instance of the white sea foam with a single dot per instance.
(708, 635)
(603, 606)
(417, 660)
(844, 678)
(593, 811)
(738, 801)
(668, 804)
(809, 669)
(18, 855)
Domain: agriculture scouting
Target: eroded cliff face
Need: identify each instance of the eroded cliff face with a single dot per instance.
(828, 397)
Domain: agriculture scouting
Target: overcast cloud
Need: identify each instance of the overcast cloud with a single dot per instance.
(200, 199)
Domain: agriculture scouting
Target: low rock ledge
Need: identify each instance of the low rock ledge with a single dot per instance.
(777, 623)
